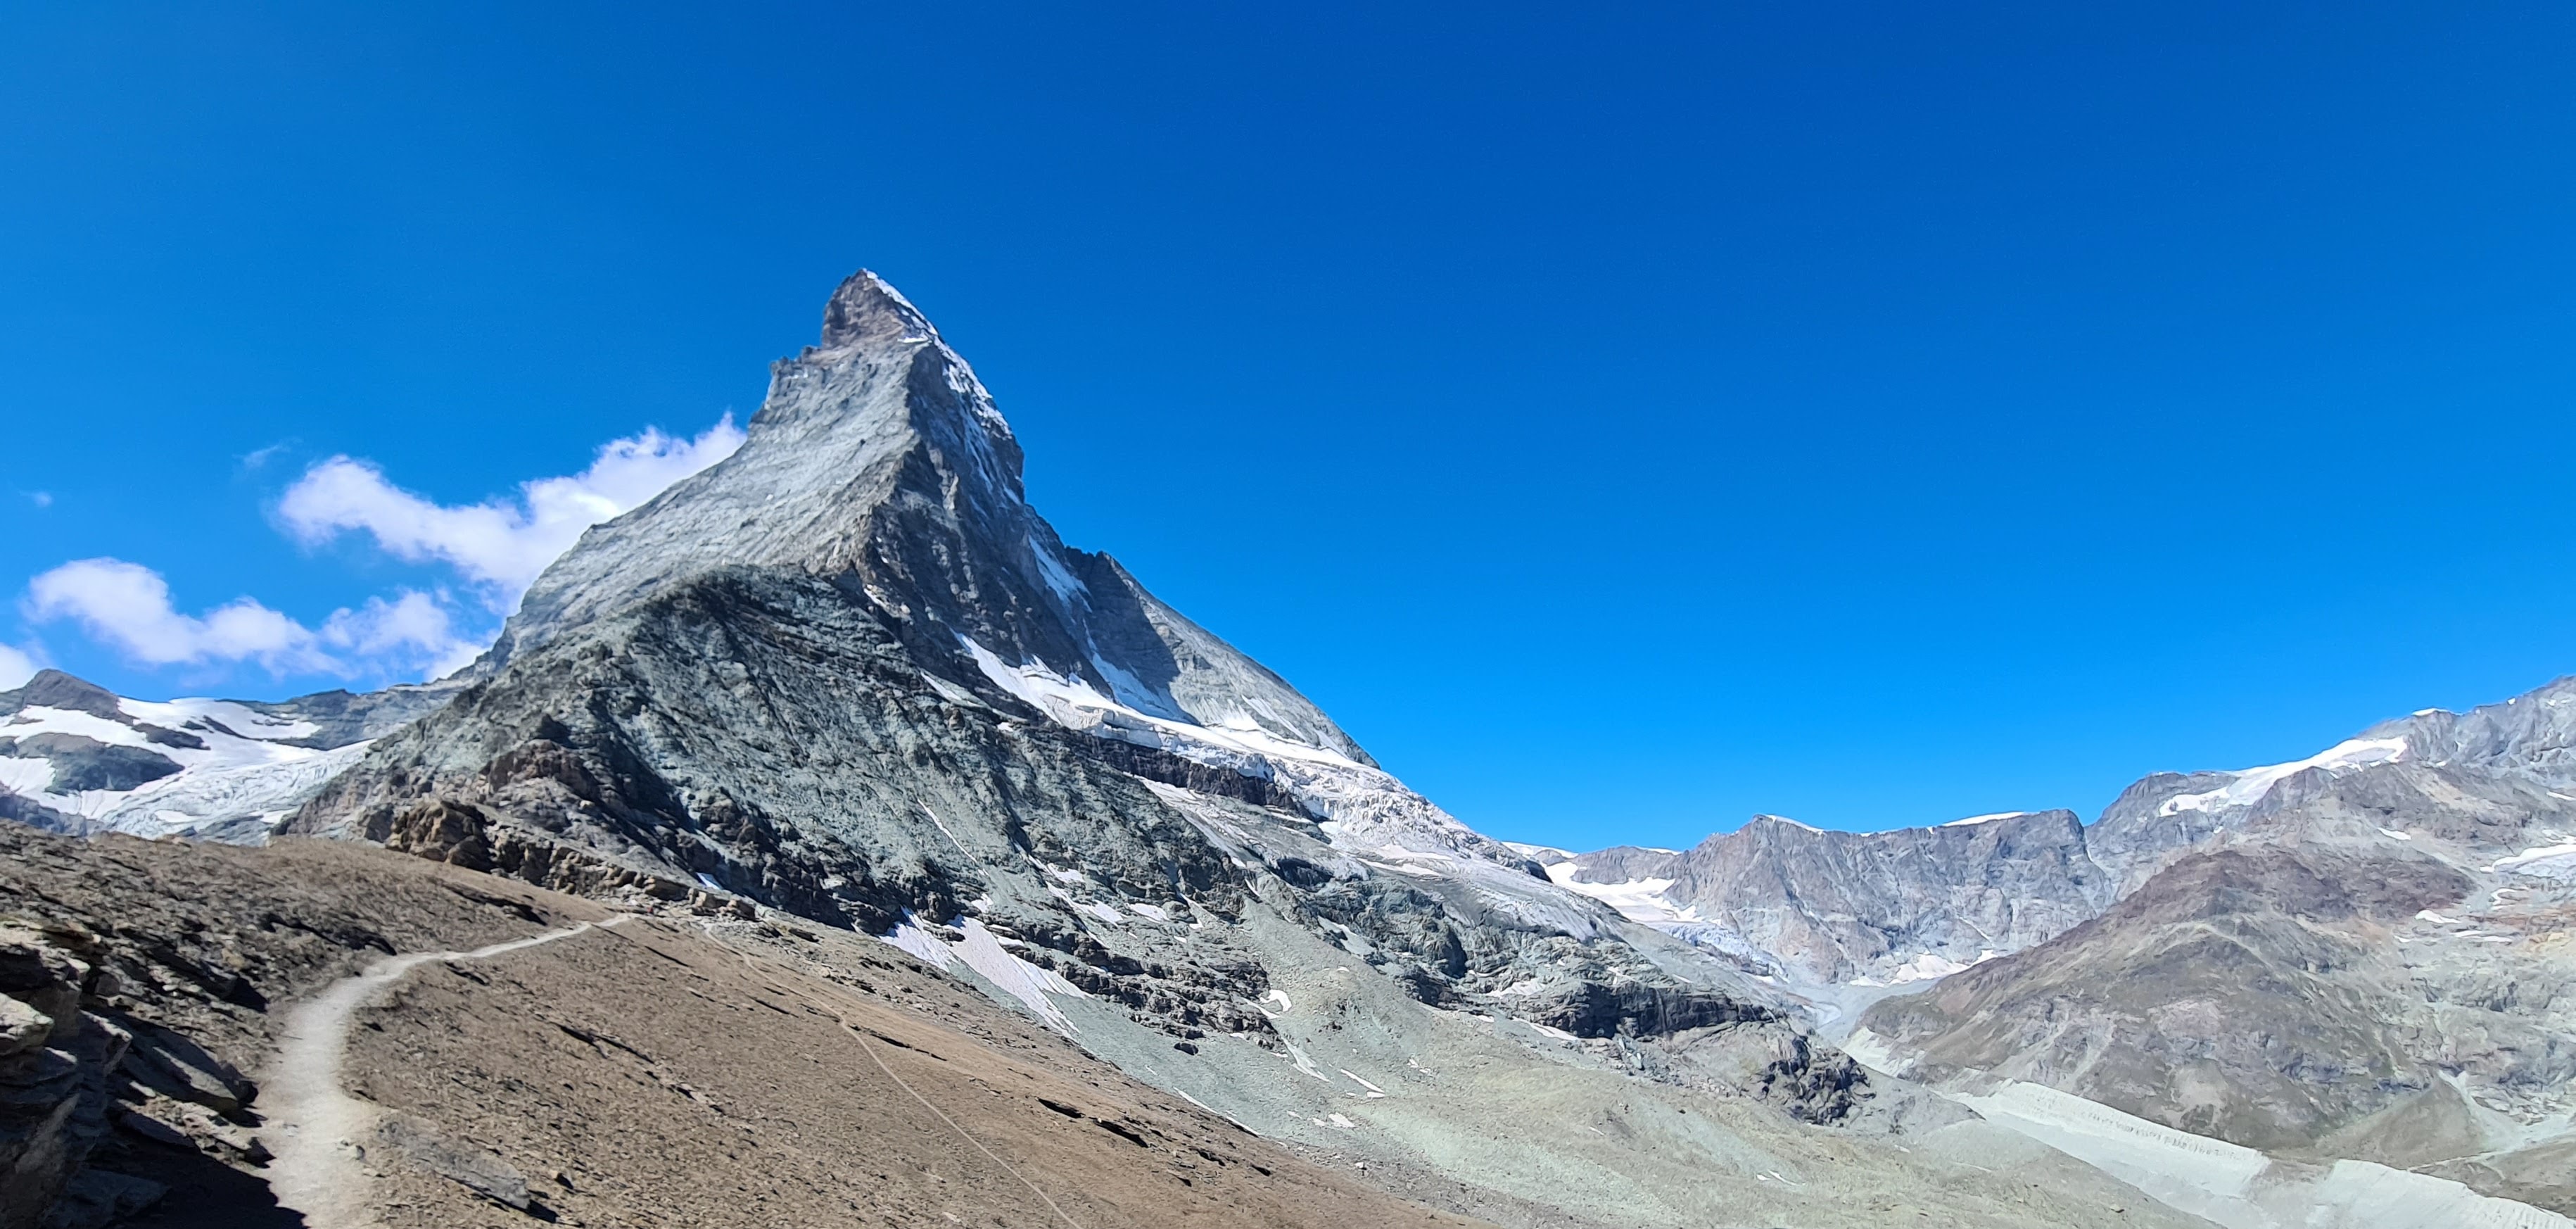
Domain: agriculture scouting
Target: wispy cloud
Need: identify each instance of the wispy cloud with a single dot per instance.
(42, 499)
(128, 606)
(499, 545)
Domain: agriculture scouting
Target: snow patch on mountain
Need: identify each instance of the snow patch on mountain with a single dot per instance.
(1927, 967)
(1640, 900)
(231, 763)
(2546, 862)
(2248, 786)
(1368, 812)
(978, 948)
(1076, 703)
(1974, 820)
(1059, 580)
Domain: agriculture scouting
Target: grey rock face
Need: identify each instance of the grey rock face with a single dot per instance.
(2137, 832)
(82, 764)
(2532, 735)
(341, 718)
(2350, 961)
(763, 736)
(848, 673)
(880, 461)
(2227, 965)
(19, 809)
(1825, 908)
(1618, 864)
(55, 689)
(2529, 739)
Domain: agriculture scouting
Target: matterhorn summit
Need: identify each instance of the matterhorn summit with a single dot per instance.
(880, 462)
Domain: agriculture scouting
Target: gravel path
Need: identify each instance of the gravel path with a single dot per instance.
(315, 1128)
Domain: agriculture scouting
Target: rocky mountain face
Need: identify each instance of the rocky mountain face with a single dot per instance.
(2365, 964)
(879, 461)
(1882, 908)
(2228, 961)
(2522, 746)
(848, 673)
(2358, 957)
(1825, 910)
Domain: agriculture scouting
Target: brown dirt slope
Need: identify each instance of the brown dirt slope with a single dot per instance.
(656, 1074)
(674, 1070)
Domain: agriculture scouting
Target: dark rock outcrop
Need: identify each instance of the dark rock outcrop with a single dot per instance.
(86, 763)
(56, 1064)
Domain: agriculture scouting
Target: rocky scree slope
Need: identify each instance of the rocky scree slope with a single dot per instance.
(138, 980)
(839, 1080)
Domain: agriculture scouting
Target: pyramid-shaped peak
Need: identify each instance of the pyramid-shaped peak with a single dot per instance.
(866, 308)
(879, 461)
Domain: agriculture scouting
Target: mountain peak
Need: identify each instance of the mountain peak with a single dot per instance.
(52, 688)
(880, 460)
(866, 308)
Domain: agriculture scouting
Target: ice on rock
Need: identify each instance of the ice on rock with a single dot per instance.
(2250, 785)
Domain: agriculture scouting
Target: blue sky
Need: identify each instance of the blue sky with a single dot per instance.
(1623, 421)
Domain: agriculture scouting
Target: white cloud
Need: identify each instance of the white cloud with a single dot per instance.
(16, 667)
(413, 629)
(42, 499)
(127, 606)
(499, 545)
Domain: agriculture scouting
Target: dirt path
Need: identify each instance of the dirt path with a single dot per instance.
(315, 1128)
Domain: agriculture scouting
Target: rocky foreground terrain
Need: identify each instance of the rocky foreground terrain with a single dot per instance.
(677, 1068)
(655, 1063)
(824, 841)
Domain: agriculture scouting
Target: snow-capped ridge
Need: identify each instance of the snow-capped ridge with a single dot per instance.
(191, 766)
(2248, 786)
(1976, 820)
